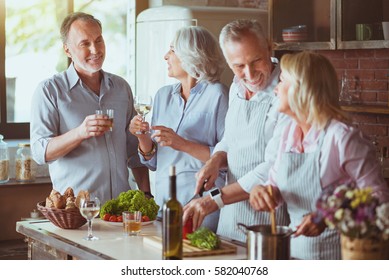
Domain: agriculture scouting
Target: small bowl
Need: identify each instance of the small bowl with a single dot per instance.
(297, 33)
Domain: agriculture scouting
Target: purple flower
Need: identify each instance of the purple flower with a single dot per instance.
(352, 211)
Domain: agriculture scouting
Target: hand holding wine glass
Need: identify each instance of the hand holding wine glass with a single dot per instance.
(143, 105)
(89, 209)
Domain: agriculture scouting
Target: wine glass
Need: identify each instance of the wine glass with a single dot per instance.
(143, 105)
(89, 209)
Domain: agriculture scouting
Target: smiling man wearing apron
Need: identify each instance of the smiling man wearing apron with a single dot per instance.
(251, 137)
(317, 149)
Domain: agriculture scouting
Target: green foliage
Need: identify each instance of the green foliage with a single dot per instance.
(150, 209)
(132, 200)
(204, 238)
(111, 207)
(28, 30)
(33, 27)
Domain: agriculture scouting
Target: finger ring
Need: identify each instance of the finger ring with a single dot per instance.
(206, 181)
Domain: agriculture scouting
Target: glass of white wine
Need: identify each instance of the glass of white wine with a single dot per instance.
(89, 209)
(143, 105)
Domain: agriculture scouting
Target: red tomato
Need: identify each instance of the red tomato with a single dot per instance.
(145, 218)
(119, 219)
(113, 218)
(106, 217)
(187, 228)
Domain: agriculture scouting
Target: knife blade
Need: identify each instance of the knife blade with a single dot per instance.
(200, 194)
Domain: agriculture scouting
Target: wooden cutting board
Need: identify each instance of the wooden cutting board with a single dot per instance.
(192, 251)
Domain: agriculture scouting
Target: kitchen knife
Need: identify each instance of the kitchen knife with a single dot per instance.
(200, 194)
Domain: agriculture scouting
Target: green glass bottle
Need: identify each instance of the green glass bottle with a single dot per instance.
(172, 223)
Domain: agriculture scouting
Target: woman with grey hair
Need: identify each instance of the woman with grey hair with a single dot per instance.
(188, 117)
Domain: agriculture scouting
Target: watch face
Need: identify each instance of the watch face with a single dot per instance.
(215, 192)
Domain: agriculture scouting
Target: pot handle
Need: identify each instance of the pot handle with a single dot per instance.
(240, 225)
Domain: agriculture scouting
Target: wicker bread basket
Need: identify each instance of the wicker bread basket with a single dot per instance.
(63, 218)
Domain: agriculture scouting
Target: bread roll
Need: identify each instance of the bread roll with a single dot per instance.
(80, 196)
(70, 202)
(49, 203)
(54, 193)
(69, 192)
(67, 200)
(59, 201)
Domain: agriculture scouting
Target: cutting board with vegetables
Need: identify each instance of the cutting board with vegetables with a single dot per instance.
(192, 251)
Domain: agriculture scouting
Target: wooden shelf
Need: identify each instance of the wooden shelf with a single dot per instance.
(366, 109)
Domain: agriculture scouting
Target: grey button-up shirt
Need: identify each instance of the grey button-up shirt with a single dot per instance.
(99, 164)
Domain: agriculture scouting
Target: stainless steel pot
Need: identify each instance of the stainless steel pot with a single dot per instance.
(263, 245)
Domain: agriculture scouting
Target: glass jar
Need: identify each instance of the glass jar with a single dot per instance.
(4, 161)
(24, 164)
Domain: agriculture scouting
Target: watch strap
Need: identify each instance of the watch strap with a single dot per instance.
(217, 198)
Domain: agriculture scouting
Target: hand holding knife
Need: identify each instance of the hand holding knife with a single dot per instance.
(200, 194)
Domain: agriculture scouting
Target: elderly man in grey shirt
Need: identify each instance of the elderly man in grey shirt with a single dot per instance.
(78, 145)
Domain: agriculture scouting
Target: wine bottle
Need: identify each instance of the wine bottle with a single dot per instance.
(172, 223)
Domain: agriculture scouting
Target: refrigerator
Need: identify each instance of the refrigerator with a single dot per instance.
(156, 28)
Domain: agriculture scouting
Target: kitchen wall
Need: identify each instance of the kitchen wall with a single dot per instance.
(367, 70)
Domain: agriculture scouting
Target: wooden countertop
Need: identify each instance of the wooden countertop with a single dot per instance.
(111, 245)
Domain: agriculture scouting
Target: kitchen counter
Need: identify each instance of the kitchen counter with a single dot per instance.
(46, 241)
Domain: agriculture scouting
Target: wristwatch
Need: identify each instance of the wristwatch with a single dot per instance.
(216, 195)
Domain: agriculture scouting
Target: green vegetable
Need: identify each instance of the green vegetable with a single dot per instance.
(132, 200)
(111, 207)
(204, 238)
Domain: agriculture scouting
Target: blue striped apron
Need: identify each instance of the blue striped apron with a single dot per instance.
(298, 179)
(245, 127)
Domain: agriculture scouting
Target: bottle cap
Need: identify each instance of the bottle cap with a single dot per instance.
(23, 145)
(3, 144)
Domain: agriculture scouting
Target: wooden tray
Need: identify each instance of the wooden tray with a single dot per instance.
(192, 251)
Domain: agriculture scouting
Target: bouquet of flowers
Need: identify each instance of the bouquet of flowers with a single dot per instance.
(354, 212)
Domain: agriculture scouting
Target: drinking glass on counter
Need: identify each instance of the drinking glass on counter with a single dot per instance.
(89, 209)
(132, 222)
(143, 105)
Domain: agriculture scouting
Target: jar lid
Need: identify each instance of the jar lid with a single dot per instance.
(23, 145)
(2, 143)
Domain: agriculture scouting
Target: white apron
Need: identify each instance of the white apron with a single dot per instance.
(245, 120)
(299, 182)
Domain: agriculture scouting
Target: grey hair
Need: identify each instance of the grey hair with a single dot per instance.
(199, 53)
(235, 30)
(68, 21)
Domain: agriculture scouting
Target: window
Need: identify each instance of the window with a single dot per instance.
(33, 50)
